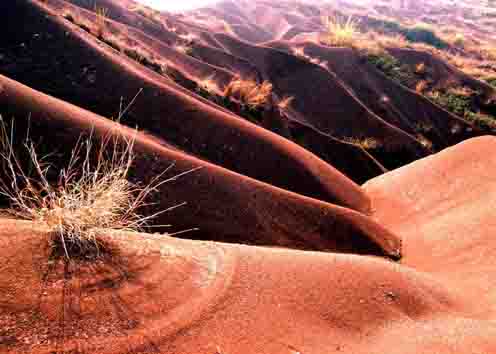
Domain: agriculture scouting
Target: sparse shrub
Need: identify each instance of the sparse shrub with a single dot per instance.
(144, 60)
(340, 33)
(148, 13)
(460, 102)
(285, 103)
(69, 17)
(421, 86)
(482, 120)
(101, 20)
(491, 81)
(368, 143)
(185, 49)
(423, 127)
(208, 85)
(459, 40)
(248, 92)
(423, 34)
(455, 103)
(92, 195)
(228, 28)
(420, 68)
(111, 43)
(84, 27)
(424, 141)
(392, 68)
(299, 52)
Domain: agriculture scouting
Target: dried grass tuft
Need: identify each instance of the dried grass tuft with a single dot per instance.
(340, 33)
(249, 92)
(91, 196)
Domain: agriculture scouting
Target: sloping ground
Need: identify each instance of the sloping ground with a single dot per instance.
(398, 105)
(52, 55)
(441, 73)
(318, 97)
(158, 294)
(224, 205)
(443, 206)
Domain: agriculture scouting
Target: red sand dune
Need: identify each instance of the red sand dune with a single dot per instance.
(443, 206)
(395, 103)
(274, 187)
(159, 294)
(256, 212)
(181, 119)
(319, 98)
(441, 73)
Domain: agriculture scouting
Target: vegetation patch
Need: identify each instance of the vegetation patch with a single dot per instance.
(110, 42)
(392, 68)
(367, 143)
(248, 92)
(461, 103)
(144, 60)
(340, 33)
(422, 34)
(491, 81)
(92, 195)
(416, 34)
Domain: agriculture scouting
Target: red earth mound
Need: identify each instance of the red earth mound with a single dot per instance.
(441, 73)
(395, 103)
(319, 98)
(443, 206)
(256, 212)
(279, 187)
(152, 293)
(83, 68)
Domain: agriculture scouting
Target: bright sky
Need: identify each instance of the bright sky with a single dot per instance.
(176, 5)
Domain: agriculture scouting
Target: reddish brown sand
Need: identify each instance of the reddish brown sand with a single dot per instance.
(266, 198)
(180, 118)
(254, 210)
(162, 295)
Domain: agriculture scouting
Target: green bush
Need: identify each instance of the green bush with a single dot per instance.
(392, 68)
(425, 35)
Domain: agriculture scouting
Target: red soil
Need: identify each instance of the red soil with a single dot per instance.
(257, 213)
(397, 104)
(180, 118)
(443, 206)
(159, 294)
(275, 184)
(320, 99)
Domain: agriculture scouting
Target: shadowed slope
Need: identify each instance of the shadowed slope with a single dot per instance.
(82, 68)
(441, 73)
(223, 205)
(399, 106)
(320, 99)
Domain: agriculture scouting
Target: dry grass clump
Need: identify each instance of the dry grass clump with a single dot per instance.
(92, 194)
(420, 68)
(367, 143)
(147, 12)
(285, 103)
(227, 28)
(421, 86)
(426, 143)
(209, 85)
(185, 49)
(340, 33)
(101, 18)
(249, 92)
